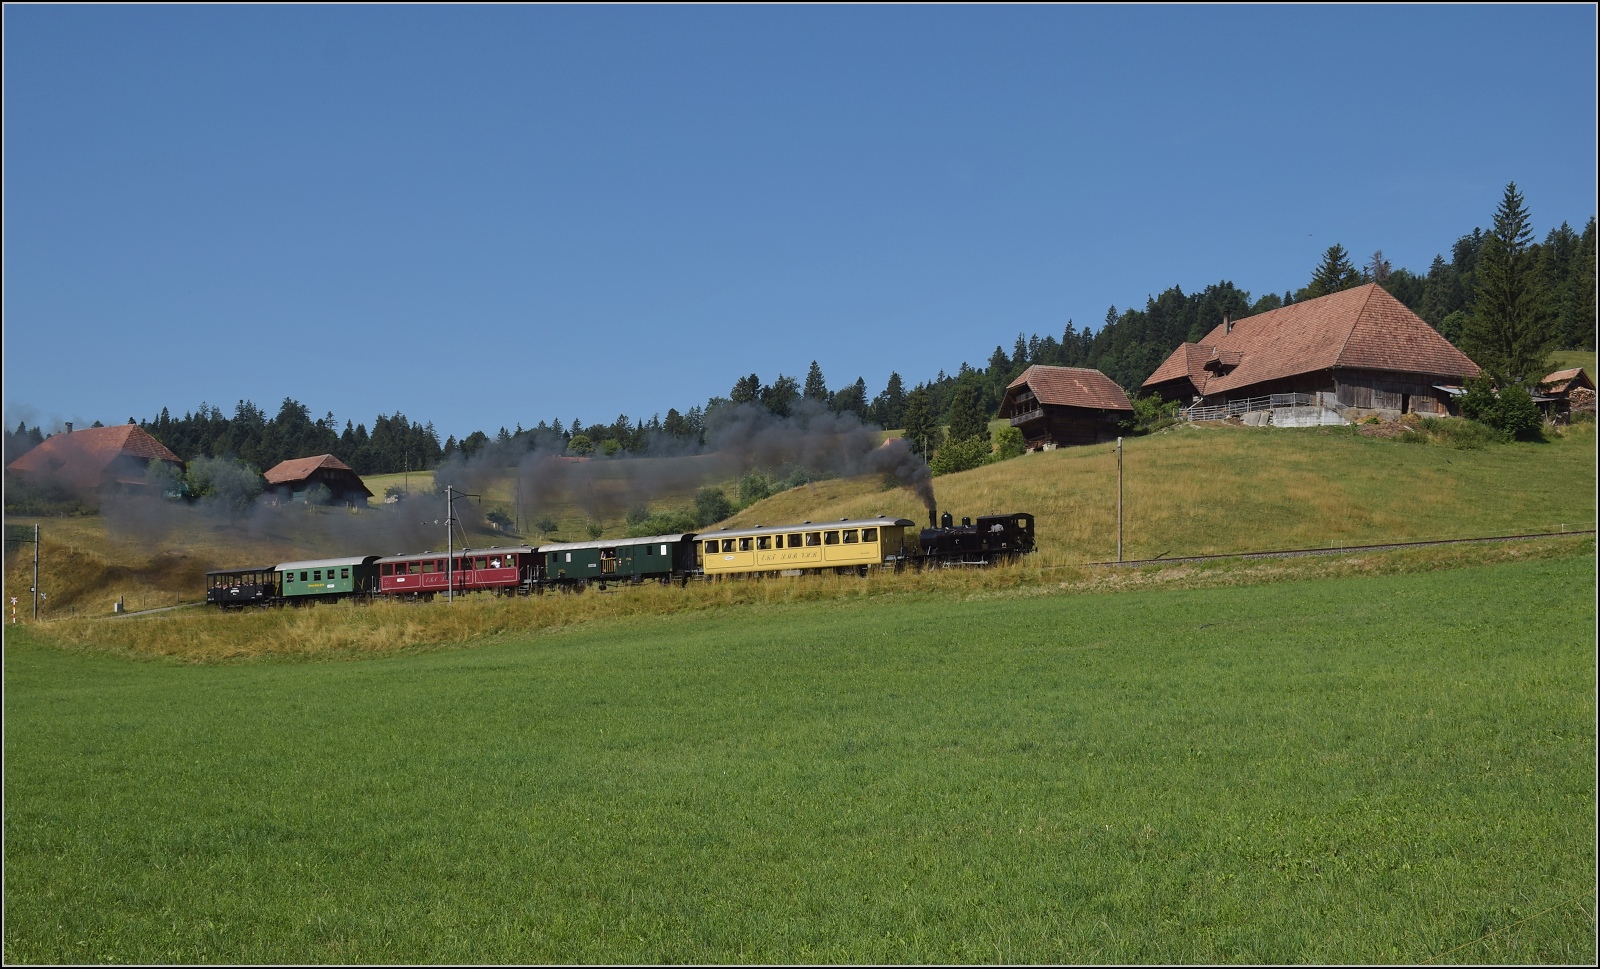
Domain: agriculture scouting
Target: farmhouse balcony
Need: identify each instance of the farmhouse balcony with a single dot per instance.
(1024, 418)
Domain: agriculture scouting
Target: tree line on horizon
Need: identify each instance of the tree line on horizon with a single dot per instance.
(1503, 298)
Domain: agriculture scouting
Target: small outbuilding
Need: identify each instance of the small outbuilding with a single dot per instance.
(1567, 391)
(95, 458)
(292, 480)
(1058, 406)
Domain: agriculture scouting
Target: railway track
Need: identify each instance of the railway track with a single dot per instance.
(1335, 550)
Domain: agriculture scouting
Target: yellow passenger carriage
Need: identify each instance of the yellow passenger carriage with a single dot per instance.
(848, 545)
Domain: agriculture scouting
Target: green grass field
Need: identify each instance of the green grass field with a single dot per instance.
(1393, 768)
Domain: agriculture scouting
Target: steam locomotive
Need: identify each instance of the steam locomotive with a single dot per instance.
(848, 546)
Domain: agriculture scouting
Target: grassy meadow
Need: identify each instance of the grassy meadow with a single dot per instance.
(1309, 761)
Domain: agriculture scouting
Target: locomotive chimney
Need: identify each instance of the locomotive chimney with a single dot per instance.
(933, 516)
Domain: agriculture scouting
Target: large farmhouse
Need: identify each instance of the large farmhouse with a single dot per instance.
(291, 480)
(1358, 349)
(94, 458)
(1053, 406)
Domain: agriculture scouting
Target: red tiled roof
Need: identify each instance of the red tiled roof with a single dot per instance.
(80, 458)
(1070, 387)
(298, 469)
(1564, 380)
(1363, 328)
(1189, 360)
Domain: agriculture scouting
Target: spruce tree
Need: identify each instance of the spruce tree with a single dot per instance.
(1509, 331)
(1335, 274)
(816, 388)
(889, 408)
(967, 416)
(921, 427)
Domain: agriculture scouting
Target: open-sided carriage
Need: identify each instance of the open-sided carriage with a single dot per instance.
(240, 588)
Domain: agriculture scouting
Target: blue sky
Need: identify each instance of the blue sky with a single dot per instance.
(489, 215)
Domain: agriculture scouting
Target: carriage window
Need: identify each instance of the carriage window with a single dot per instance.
(830, 538)
(745, 544)
(711, 548)
(480, 563)
(813, 538)
(869, 534)
(764, 542)
(316, 575)
(289, 576)
(302, 576)
(413, 567)
(510, 562)
(344, 573)
(727, 544)
(852, 536)
(663, 550)
(386, 569)
(427, 566)
(569, 556)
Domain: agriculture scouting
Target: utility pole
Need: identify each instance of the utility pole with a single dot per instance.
(450, 540)
(1119, 499)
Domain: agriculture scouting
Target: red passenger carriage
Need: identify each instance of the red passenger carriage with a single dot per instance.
(426, 574)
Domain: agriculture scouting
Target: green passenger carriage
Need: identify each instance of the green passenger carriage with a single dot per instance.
(325, 580)
(659, 557)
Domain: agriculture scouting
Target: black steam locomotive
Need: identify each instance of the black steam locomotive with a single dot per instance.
(991, 539)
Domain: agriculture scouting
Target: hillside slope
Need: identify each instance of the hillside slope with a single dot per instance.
(1200, 489)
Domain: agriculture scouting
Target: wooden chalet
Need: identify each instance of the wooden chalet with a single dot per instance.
(1359, 349)
(291, 480)
(1056, 406)
(95, 459)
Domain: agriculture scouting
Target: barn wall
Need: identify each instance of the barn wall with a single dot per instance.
(1400, 393)
(1067, 426)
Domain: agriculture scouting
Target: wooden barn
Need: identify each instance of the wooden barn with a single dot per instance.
(1359, 349)
(94, 459)
(291, 480)
(1057, 406)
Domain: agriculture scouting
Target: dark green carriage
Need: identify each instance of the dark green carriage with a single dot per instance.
(658, 557)
(328, 579)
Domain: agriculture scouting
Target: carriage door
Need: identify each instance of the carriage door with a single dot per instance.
(608, 561)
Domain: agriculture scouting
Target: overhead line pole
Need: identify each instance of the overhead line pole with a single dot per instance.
(1119, 499)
